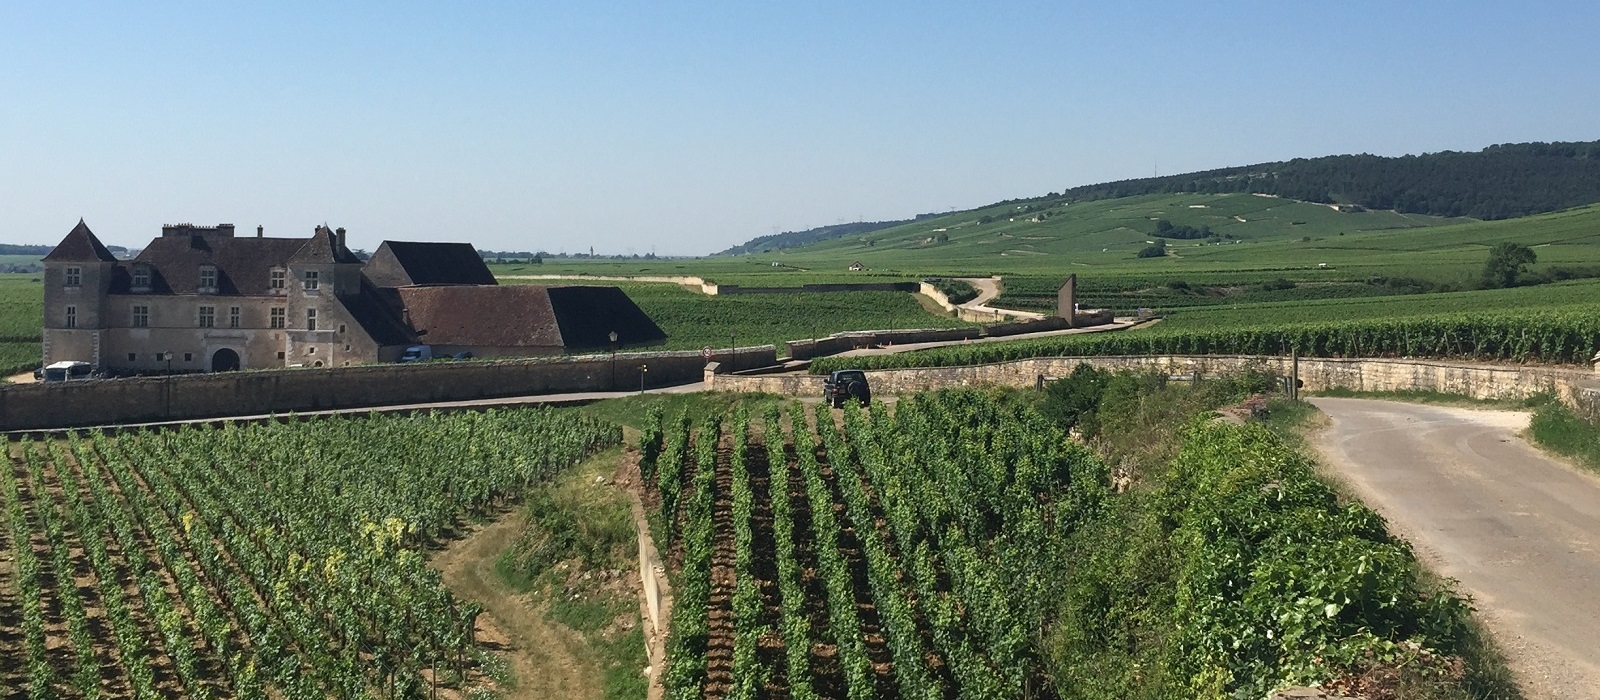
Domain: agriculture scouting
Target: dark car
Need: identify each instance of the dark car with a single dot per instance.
(845, 384)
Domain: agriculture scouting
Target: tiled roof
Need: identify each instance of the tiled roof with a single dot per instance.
(587, 316)
(80, 245)
(377, 312)
(321, 249)
(243, 264)
(404, 263)
(572, 318)
(499, 316)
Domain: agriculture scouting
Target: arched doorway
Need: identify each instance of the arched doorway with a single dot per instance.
(224, 360)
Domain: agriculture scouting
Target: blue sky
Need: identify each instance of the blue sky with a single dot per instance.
(682, 128)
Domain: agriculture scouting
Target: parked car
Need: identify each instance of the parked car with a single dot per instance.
(65, 371)
(417, 353)
(845, 384)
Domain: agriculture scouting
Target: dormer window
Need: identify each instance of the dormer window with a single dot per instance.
(208, 279)
(278, 277)
(74, 277)
(141, 278)
(312, 280)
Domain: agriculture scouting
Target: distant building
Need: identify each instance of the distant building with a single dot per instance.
(857, 266)
(200, 299)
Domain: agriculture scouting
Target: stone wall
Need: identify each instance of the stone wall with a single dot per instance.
(147, 399)
(1480, 381)
(820, 288)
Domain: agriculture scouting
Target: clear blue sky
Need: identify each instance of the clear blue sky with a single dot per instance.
(687, 127)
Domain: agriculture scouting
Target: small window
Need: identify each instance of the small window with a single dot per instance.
(141, 277)
(141, 316)
(311, 350)
(278, 277)
(72, 317)
(312, 279)
(74, 277)
(341, 328)
(347, 348)
(233, 317)
(188, 357)
(280, 354)
(208, 317)
(278, 317)
(311, 319)
(208, 278)
(133, 357)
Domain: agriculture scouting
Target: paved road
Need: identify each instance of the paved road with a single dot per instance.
(1519, 530)
(989, 288)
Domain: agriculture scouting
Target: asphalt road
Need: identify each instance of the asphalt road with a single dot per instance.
(1518, 529)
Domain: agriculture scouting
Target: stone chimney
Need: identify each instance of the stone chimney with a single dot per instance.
(338, 237)
(260, 231)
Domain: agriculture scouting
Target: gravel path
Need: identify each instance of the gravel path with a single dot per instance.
(1518, 529)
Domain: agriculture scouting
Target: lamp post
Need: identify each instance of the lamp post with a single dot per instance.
(642, 370)
(613, 337)
(733, 350)
(168, 357)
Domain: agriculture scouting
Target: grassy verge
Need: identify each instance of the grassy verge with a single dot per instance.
(1227, 544)
(576, 557)
(1558, 429)
(1437, 398)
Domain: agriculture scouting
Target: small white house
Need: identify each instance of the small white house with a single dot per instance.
(857, 266)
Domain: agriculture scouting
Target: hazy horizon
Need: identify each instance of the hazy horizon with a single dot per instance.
(635, 128)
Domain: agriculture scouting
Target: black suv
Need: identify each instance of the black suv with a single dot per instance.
(846, 384)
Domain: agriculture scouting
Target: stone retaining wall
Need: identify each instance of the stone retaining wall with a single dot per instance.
(184, 397)
(1576, 387)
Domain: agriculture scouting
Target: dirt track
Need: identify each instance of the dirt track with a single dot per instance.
(1519, 530)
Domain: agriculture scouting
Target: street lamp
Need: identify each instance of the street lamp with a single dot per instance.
(168, 357)
(613, 337)
(642, 370)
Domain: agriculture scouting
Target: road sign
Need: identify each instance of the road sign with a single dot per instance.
(705, 352)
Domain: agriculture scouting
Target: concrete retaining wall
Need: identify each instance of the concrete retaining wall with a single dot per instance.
(112, 401)
(1474, 380)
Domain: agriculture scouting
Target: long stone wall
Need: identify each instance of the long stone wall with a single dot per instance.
(148, 399)
(1475, 380)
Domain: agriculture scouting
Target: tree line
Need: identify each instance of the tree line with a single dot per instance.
(1499, 182)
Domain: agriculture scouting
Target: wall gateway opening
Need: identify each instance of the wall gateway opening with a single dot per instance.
(224, 360)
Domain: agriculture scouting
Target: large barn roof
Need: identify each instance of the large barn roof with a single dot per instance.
(572, 318)
(406, 263)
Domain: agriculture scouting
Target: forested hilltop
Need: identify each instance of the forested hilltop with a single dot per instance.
(1498, 182)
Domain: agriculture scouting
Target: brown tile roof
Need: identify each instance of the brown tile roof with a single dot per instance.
(322, 249)
(243, 264)
(572, 318)
(80, 245)
(509, 316)
(378, 313)
(406, 263)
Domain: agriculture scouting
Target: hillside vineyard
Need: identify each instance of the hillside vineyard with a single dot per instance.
(272, 561)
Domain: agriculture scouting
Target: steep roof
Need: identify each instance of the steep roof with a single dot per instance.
(322, 249)
(243, 264)
(508, 316)
(80, 245)
(588, 315)
(405, 263)
(378, 313)
(571, 318)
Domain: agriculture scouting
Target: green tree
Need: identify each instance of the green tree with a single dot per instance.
(1507, 262)
(1154, 250)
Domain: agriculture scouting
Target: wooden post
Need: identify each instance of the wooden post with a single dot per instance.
(1294, 375)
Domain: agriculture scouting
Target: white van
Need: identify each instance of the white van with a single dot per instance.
(67, 370)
